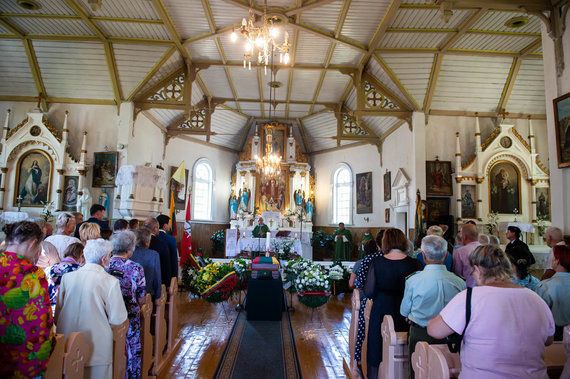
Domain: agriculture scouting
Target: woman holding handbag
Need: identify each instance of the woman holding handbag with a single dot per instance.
(509, 325)
(390, 272)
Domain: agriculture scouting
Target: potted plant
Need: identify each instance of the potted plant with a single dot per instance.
(218, 238)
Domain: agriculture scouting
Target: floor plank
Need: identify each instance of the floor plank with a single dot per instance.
(321, 336)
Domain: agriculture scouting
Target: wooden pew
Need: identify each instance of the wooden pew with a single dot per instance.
(160, 332)
(363, 358)
(566, 343)
(442, 363)
(172, 313)
(394, 351)
(555, 359)
(55, 365)
(420, 360)
(146, 337)
(120, 349)
(75, 357)
(351, 366)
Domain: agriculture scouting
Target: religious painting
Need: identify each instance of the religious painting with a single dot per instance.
(273, 192)
(33, 179)
(437, 210)
(543, 202)
(506, 142)
(364, 192)
(438, 178)
(468, 201)
(105, 169)
(504, 188)
(70, 184)
(387, 215)
(179, 190)
(387, 186)
(562, 124)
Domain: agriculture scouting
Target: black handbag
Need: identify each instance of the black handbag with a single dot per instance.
(370, 284)
(454, 340)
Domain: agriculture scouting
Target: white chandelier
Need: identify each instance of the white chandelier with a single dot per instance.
(261, 40)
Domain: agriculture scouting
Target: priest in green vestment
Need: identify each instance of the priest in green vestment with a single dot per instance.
(367, 237)
(343, 244)
(260, 230)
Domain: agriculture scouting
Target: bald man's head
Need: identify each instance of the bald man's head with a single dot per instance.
(469, 233)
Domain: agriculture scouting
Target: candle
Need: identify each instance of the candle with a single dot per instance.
(267, 240)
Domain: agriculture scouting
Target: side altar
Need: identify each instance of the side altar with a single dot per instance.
(272, 180)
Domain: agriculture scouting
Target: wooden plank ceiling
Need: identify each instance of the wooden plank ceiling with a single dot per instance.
(130, 48)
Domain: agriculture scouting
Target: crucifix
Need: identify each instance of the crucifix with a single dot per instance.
(19, 200)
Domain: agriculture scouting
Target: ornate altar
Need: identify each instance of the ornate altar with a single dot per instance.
(37, 166)
(505, 176)
(284, 197)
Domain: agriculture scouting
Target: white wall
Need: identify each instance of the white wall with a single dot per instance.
(555, 87)
(361, 159)
(223, 163)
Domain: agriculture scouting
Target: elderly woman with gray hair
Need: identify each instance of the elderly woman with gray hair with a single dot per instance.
(132, 280)
(509, 325)
(63, 237)
(89, 302)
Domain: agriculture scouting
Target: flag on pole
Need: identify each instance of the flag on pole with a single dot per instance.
(186, 250)
(172, 214)
(179, 177)
(419, 219)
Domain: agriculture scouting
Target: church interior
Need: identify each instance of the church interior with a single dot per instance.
(260, 126)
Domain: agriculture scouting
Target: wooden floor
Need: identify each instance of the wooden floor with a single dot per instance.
(321, 337)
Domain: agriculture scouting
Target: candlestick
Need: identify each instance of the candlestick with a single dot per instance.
(267, 241)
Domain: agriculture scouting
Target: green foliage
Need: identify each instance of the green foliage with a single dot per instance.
(218, 238)
(322, 239)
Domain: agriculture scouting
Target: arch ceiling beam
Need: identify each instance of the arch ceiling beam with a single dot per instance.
(151, 73)
(397, 82)
(220, 48)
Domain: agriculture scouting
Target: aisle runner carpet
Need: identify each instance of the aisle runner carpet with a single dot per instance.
(260, 349)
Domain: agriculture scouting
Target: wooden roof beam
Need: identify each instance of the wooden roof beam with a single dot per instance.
(476, 15)
(261, 92)
(35, 68)
(536, 5)
(151, 73)
(434, 76)
(303, 8)
(397, 82)
(325, 35)
(303, 132)
(245, 133)
(482, 53)
(509, 84)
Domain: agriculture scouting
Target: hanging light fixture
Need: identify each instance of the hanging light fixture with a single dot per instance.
(270, 163)
(261, 40)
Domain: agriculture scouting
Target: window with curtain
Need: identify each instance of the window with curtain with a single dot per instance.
(202, 191)
(342, 195)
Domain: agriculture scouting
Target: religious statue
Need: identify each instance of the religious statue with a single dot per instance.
(343, 244)
(233, 207)
(243, 198)
(260, 230)
(104, 200)
(309, 209)
(84, 204)
(367, 237)
(299, 197)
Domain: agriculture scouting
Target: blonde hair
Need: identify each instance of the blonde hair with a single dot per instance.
(89, 231)
(493, 263)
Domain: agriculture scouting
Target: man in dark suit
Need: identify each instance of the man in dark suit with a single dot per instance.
(162, 249)
(164, 228)
(97, 212)
(517, 248)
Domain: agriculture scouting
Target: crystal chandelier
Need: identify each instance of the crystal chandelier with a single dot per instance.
(270, 163)
(261, 40)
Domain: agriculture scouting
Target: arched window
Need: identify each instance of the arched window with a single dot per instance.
(202, 191)
(342, 195)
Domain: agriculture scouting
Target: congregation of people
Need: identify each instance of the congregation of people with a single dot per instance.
(511, 315)
(83, 278)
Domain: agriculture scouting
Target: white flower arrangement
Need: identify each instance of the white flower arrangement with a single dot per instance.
(240, 266)
(313, 278)
(336, 272)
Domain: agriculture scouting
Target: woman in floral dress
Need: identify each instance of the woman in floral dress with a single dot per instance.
(26, 335)
(131, 277)
(72, 260)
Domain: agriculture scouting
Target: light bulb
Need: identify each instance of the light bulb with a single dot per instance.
(248, 47)
(286, 58)
(243, 22)
(286, 36)
(259, 42)
(233, 36)
(274, 32)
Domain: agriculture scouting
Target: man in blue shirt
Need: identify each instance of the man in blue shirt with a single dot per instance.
(164, 228)
(97, 212)
(428, 292)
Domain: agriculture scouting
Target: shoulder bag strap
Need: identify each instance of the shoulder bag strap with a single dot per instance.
(467, 310)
